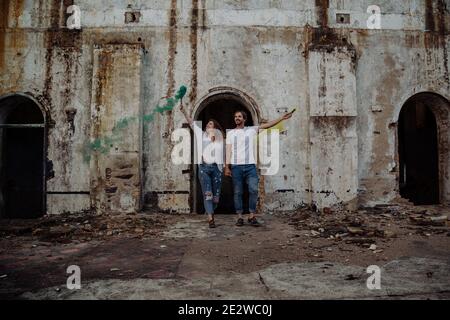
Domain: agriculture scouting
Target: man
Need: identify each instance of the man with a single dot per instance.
(241, 162)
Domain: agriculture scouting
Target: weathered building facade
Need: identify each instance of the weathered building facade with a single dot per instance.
(78, 128)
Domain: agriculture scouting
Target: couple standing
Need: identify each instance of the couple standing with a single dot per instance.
(240, 162)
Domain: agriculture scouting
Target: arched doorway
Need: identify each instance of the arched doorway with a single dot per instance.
(423, 149)
(221, 105)
(22, 167)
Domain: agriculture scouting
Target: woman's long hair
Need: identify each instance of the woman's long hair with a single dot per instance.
(218, 129)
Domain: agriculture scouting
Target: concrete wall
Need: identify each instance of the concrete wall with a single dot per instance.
(349, 83)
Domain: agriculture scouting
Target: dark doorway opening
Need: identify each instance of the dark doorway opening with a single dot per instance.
(22, 180)
(222, 108)
(418, 153)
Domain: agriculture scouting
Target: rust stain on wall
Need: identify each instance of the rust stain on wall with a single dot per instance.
(4, 12)
(270, 35)
(171, 60)
(331, 124)
(54, 18)
(435, 24)
(323, 77)
(173, 28)
(101, 78)
(429, 16)
(324, 38)
(58, 37)
(172, 47)
(63, 46)
(381, 138)
(322, 12)
(12, 43)
(10, 12)
(307, 39)
(435, 14)
(101, 97)
(203, 24)
(55, 39)
(194, 44)
(328, 39)
(441, 11)
(17, 11)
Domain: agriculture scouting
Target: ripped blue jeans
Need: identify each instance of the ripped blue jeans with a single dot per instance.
(211, 181)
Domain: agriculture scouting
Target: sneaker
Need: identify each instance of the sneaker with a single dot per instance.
(253, 222)
(240, 222)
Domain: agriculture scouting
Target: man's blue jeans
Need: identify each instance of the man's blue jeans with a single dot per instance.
(247, 173)
(211, 181)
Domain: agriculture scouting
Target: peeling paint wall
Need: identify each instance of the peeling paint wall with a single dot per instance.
(348, 82)
(332, 92)
(115, 153)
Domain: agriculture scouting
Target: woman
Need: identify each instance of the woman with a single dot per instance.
(210, 159)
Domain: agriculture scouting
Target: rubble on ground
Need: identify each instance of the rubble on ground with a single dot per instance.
(366, 226)
(84, 226)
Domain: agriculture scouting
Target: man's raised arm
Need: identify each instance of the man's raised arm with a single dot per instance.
(272, 123)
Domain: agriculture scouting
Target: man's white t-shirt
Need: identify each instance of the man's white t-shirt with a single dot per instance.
(243, 147)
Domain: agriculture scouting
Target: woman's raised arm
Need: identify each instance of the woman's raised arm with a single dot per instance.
(186, 115)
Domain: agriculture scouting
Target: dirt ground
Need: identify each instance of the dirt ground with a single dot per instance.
(34, 254)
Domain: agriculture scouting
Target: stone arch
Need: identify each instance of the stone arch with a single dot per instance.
(439, 107)
(230, 93)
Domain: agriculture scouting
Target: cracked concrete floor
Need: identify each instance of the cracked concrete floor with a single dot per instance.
(187, 260)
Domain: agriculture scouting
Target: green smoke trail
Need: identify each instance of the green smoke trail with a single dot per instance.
(104, 144)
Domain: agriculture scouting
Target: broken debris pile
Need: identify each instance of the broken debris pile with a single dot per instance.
(365, 226)
(84, 226)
